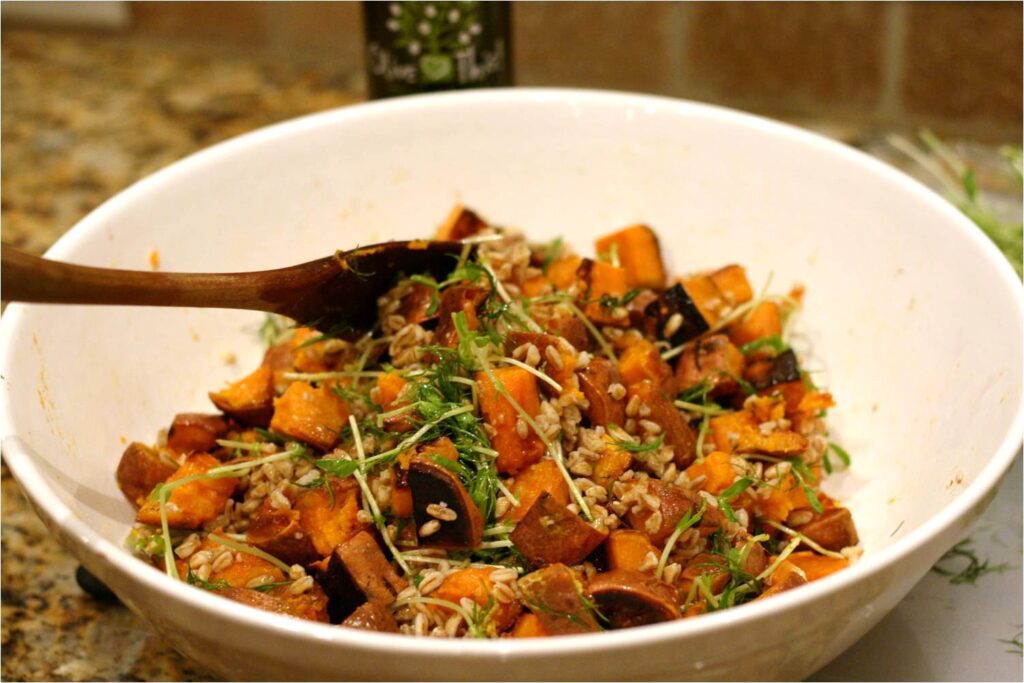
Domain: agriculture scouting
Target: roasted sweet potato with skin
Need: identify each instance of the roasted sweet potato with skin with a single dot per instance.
(314, 415)
(782, 500)
(250, 400)
(569, 328)
(475, 583)
(280, 533)
(705, 296)
(815, 566)
(460, 224)
(357, 571)
(628, 598)
(461, 298)
(193, 504)
(195, 432)
(764, 321)
(611, 464)
(713, 360)
(549, 533)
(415, 304)
(595, 378)
(628, 549)
(514, 451)
(601, 284)
(771, 371)
(311, 605)
(642, 361)
(674, 503)
(529, 625)
(832, 530)
(140, 470)
(433, 484)
(674, 317)
(705, 564)
(330, 517)
(559, 373)
(676, 430)
(739, 433)
(539, 478)
(371, 616)
(639, 254)
(555, 595)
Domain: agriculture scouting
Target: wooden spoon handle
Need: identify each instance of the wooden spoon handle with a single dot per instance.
(38, 280)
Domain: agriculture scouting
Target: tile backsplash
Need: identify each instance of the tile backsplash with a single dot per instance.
(955, 67)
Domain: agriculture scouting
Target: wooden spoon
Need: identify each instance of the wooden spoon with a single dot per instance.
(337, 293)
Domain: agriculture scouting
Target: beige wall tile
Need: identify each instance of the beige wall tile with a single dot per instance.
(963, 60)
(236, 24)
(796, 52)
(622, 45)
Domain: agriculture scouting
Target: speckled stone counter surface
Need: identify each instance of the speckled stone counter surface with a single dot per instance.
(83, 117)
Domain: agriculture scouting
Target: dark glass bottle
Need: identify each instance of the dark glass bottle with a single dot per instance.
(414, 47)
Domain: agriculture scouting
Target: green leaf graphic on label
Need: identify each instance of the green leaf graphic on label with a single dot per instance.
(436, 68)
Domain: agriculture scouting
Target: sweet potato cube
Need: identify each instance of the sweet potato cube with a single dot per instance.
(461, 298)
(639, 254)
(475, 583)
(389, 388)
(529, 625)
(642, 361)
(555, 595)
(705, 296)
(673, 504)
(718, 470)
(330, 517)
(562, 272)
(193, 504)
(732, 283)
(595, 379)
(764, 321)
(832, 530)
(140, 470)
(460, 224)
(674, 426)
(739, 433)
(602, 284)
(537, 479)
(514, 451)
(611, 464)
(250, 400)
(311, 605)
(787, 576)
(314, 415)
(280, 533)
(561, 371)
(310, 351)
(550, 533)
(628, 549)
(371, 616)
(815, 566)
(195, 432)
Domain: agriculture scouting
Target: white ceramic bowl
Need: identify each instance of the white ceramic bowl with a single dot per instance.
(915, 321)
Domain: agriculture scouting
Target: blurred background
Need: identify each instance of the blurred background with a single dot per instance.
(96, 95)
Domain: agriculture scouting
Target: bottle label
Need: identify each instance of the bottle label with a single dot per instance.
(438, 44)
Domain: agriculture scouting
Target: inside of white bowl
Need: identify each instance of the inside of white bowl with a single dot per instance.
(906, 321)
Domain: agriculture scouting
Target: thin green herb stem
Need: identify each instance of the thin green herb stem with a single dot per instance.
(533, 371)
(799, 537)
(703, 410)
(322, 376)
(251, 550)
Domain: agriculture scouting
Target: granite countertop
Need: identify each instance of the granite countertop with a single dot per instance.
(85, 116)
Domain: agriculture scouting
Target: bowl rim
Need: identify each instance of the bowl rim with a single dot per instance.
(18, 454)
